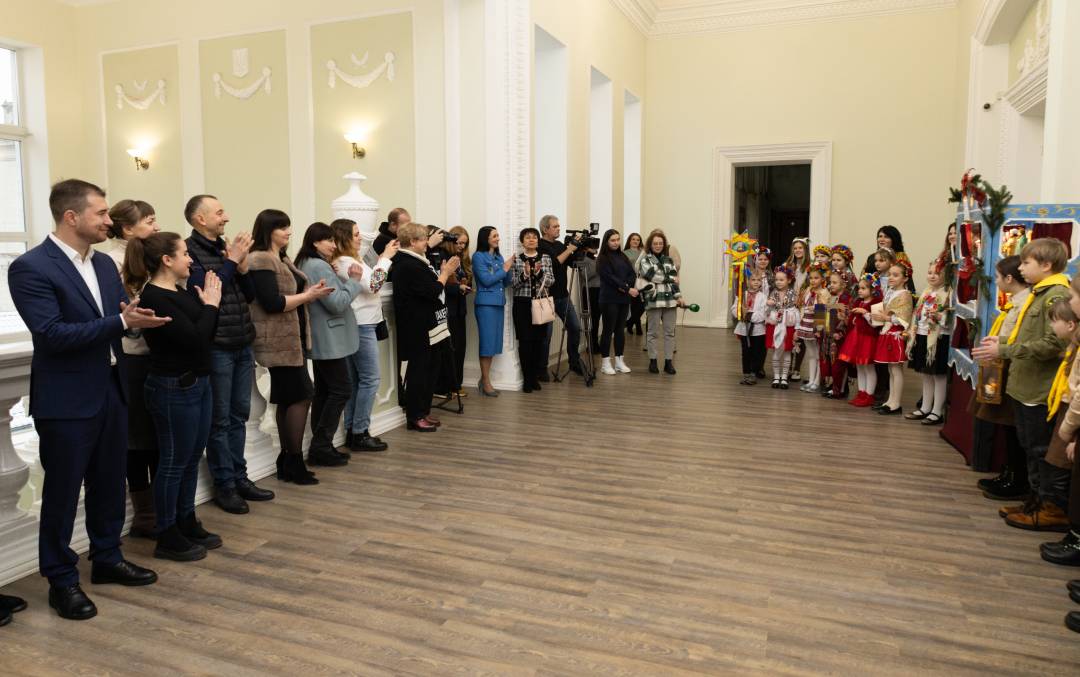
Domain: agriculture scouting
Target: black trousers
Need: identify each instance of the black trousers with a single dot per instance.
(420, 374)
(982, 452)
(753, 353)
(530, 341)
(1034, 432)
(637, 309)
(614, 326)
(596, 317)
(72, 451)
(333, 387)
(457, 337)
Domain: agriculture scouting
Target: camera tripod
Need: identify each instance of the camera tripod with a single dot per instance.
(588, 371)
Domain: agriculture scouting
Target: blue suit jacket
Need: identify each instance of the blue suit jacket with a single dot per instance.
(491, 279)
(70, 369)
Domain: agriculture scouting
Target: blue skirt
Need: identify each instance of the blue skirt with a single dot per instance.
(489, 326)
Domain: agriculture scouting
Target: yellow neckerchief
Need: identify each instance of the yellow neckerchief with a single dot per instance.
(995, 328)
(1055, 279)
(1060, 385)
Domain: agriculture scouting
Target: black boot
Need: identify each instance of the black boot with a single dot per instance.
(362, 442)
(669, 368)
(329, 458)
(1065, 552)
(653, 369)
(174, 545)
(230, 500)
(192, 529)
(294, 470)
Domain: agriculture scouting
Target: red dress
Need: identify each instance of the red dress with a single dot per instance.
(891, 346)
(861, 339)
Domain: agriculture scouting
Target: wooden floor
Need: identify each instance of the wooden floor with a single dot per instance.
(652, 525)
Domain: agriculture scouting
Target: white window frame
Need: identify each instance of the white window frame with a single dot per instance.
(21, 134)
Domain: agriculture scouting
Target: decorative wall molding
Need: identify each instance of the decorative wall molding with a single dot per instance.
(999, 20)
(363, 80)
(669, 19)
(143, 103)
(1029, 91)
(725, 160)
(243, 92)
(1037, 51)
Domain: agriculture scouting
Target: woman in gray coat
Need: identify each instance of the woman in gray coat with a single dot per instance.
(334, 338)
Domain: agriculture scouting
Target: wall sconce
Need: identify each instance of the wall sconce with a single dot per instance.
(356, 138)
(138, 155)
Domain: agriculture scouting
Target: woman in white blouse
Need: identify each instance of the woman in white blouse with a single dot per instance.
(367, 307)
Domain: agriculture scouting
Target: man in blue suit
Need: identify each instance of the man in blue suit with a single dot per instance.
(74, 304)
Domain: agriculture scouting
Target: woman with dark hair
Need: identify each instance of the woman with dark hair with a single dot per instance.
(135, 219)
(282, 335)
(367, 309)
(493, 276)
(533, 277)
(388, 228)
(634, 249)
(334, 337)
(420, 313)
(617, 279)
(458, 288)
(890, 238)
(177, 389)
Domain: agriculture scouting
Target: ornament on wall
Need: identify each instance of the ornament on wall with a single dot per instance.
(1039, 49)
(240, 68)
(141, 103)
(365, 79)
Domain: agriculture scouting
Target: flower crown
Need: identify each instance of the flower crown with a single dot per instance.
(822, 268)
(804, 240)
(869, 278)
(906, 265)
(845, 251)
(785, 270)
(823, 249)
(760, 249)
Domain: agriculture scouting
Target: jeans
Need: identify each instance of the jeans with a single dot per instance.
(564, 308)
(364, 372)
(182, 418)
(231, 373)
(332, 390)
(1034, 432)
(658, 317)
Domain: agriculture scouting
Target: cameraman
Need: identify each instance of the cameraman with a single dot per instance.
(560, 255)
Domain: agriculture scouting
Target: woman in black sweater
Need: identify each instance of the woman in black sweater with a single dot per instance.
(617, 278)
(177, 389)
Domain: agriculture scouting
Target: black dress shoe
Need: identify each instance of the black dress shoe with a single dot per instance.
(364, 442)
(886, 411)
(71, 602)
(328, 459)
(5, 617)
(229, 500)
(544, 377)
(12, 604)
(1065, 552)
(1073, 587)
(249, 491)
(192, 529)
(122, 573)
(1072, 621)
(1008, 491)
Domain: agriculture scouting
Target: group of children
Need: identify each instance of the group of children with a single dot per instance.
(874, 321)
(814, 312)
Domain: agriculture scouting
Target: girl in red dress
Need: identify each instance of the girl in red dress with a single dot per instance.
(861, 340)
(891, 347)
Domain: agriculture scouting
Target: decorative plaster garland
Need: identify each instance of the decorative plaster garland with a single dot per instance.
(143, 103)
(365, 80)
(242, 92)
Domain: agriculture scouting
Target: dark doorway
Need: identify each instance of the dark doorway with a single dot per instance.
(772, 203)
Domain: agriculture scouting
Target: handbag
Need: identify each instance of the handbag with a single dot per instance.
(382, 331)
(543, 309)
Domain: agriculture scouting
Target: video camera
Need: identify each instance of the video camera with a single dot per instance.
(586, 238)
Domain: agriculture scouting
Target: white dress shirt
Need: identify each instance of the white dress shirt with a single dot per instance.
(85, 267)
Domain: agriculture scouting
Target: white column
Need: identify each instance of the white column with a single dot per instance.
(18, 528)
(507, 100)
(1061, 170)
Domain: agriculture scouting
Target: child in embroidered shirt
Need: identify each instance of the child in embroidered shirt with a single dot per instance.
(833, 369)
(761, 266)
(891, 349)
(823, 254)
(814, 295)
(840, 259)
(884, 258)
(928, 344)
(781, 316)
(860, 341)
(751, 329)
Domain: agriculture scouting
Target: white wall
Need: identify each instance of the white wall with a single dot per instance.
(631, 220)
(550, 129)
(601, 150)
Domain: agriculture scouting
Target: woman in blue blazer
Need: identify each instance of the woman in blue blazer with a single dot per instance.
(493, 276)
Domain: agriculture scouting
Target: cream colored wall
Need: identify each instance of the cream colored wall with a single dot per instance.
(598, 35)
(315, 158)
(1025, 32)
(882, 89)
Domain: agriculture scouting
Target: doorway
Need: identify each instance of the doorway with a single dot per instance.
(772, 204)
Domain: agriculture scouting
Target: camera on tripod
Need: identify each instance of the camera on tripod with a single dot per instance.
(586, 238)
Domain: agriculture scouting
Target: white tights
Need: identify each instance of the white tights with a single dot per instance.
(866, 377)
(811, 364)
(933, 393)
(896, 385)
(781, 363)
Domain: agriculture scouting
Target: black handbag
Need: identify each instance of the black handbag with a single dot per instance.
(382, 331)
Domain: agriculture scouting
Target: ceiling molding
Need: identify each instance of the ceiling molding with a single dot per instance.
(85, 3)
(671, 19)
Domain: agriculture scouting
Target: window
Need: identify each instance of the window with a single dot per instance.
(14, 233)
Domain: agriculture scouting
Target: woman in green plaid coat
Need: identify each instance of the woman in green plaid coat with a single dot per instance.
(657, 268)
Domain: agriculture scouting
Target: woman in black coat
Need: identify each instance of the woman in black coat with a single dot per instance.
(420, 316)
(617, 280)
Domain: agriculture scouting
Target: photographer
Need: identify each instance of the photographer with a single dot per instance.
(388, 229)
(560, 255)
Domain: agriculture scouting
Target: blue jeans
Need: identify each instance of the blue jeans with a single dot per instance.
(182, 422)
(564, 308)
(231, 372)
(364, 371)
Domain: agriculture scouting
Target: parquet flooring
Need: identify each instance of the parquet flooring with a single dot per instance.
(652, 525)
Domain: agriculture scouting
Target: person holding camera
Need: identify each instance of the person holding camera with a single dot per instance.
(420, 312)
(397, 217)
(493, 276)
(533, 278)
(458, 288)
(561, 255)
(617, 280)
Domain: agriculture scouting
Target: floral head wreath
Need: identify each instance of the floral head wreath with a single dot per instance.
(785, 270)
(822, 268)
(870, 279)
(906, 265)
(823, 249)
(804, 240)
(845, 251)
(760, 249)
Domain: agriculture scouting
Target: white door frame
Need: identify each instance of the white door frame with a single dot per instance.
(725, 159)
